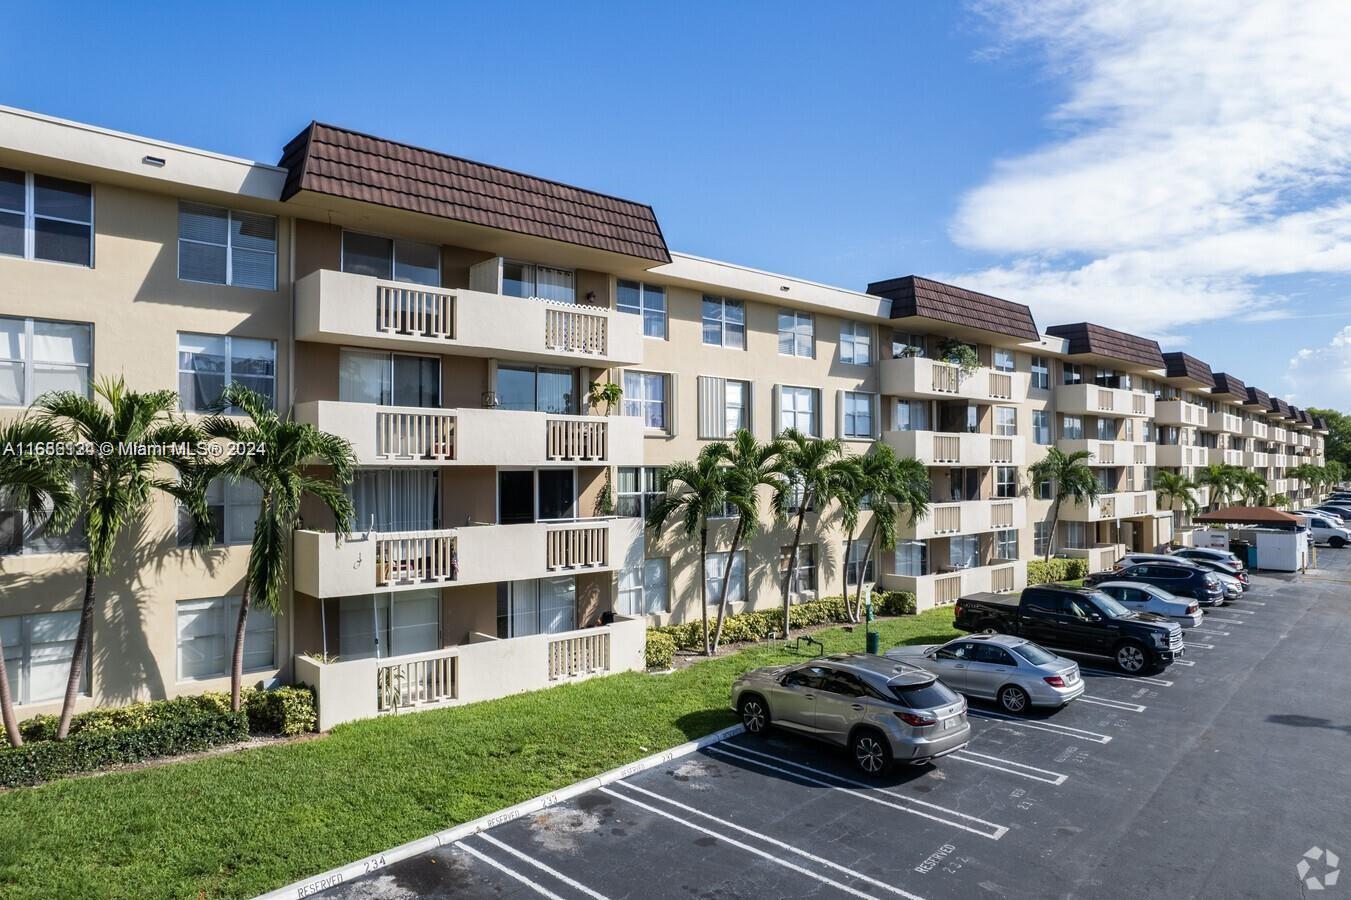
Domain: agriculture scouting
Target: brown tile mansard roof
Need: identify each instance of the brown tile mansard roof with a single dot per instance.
(1259, 398)
(1085, 337)
(1184, 365)
(328, 160)
(1227, 385)
(1279, 407)
(912, 295)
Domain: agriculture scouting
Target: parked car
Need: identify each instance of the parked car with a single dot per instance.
(1337, 509)
(1337, 520)
(1075, 620)
(1143, 597)
(1234, 580)
(1013, 671)
(1177, 578)
(1323, 529)
(881, 709)
(1193, 553)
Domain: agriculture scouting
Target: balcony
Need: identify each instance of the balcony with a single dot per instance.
(1200, 493)
(482, 669)
(473, 554)
(1255, 459)
(1255, 428)
(1111, 453)
(968, 517)
(935, 448)
(1227, 422)
(1121, 505)
(1092, 400)
(1180, 455)
(416, 436)
(943, 588)
(1224, 456)
(1100, 557)
(341, 308)
(1180, 412)
(917, 376)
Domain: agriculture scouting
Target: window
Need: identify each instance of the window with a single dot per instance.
(645, 397)
(796, 333)
(1075, 535)
(1041, 538)
(389, 379)
(724, 406)
(23, 534)
(646, 300)
(858, 415)
(38, 651)
(538, 282)
(1072, 428)
(225, 246)
(964, 484)
(644, 590)
(1005, 421)
(37, 356)
(637, 488)
(1006, 481)
(539, 606)
(856, 343)
(1041, 427)
(853, 563)
(964, 551)
(547, 389)
(391, 259)
(803, 584)
(234, 507)
(1128, 429)
(717, 565)
(911, 558)
(46, 218)
(207, 363)
(906, 346)
(724, 322)
(1045, 489)
(1006, 544)
(1071, 373)
(1106, 429)
(797, 409)
(1041, 373)
(1003, 360)
(1130, 478)
(912, 415)
(206, 635)
(397, 499)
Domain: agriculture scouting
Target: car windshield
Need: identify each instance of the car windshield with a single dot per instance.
(1037, 656)
(1110, 606)
(924, 696)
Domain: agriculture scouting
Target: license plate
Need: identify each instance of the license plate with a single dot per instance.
(950, 723)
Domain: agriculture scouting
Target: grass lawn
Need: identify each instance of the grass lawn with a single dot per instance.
(243, 823)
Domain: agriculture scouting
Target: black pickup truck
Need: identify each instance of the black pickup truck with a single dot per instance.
(1076, 620)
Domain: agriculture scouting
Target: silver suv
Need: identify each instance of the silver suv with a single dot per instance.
(882, 710)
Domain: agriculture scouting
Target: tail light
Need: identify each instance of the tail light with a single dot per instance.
(1243, 577)
(1054, 680)
(917, 721)
(1194, 608)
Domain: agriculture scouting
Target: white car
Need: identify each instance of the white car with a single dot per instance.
(1143, 597)
(1325, 531)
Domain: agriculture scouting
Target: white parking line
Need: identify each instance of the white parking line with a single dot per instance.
(738, 844)
(507, 848)
(1240, 612)
(1207, 631)
(1112, 704)
(537, 888)
(992, 830)
(1253, 602)
(1022, 770)
(1195, 645)
(769, 840)
(1052, 727)
(1225, 621)
(1142, 679)
(1184, 662)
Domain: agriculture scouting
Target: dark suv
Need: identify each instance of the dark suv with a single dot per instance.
(1178, 579)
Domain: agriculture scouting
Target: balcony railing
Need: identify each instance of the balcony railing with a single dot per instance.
(415, 558)
(404, 309)
(1118, 505)
(1100, 557)
(577, 547)
(947, 519)
(573, 331)
(923, 377)
(1095, 400)
(409, 434)
(576, 439)
(424, 679)
(969, 517)
(1002, 515)
(580, 653)
(965, 448)
(944, 588)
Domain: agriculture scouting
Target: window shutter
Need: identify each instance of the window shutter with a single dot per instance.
(776, 414)
(839, 414)
(672, 405)
(750, 407)
(877, 416)
(712, 407)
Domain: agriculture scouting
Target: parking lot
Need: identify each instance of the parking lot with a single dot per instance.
(1211, 779)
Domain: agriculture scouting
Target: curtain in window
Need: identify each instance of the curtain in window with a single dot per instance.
(394, 499)
(557, 604)
(414, 622)
(554, 284)
(712, 407)
(909, 558)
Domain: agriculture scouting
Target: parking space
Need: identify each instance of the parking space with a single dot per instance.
(1210, 779)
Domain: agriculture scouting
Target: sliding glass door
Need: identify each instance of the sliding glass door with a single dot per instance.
(384, 625)
(537, 606)
(394, 499)
(545, 389)
(389, 379)
(529, 495)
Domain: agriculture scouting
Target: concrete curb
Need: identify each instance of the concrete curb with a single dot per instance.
(377, 861)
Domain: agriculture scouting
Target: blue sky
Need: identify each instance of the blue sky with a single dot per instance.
(1165, 169)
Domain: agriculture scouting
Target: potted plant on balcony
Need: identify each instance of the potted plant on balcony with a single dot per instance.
(960, 354)
(608, 394)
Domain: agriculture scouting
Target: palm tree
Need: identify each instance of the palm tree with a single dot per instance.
(694, 493)
(133, 435)
(815, 469)
(40, 488)
(1252, 487)
(892, 484)
(1221, 478)
(1173, 487)
(1302, 473)
(851, 493)
(750, 465)
(281, 467)
(1073, 479)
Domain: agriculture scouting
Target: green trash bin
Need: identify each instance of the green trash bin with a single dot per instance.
(874, 642)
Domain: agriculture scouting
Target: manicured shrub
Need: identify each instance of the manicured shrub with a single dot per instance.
(1045, 571)
(287, 710)
(894, 603)
(661, 649)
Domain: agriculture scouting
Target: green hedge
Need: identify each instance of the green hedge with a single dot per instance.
(1045, 571)
(287, 710)
(757, 625)
(661, 649)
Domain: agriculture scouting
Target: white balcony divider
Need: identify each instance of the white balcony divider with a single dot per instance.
(1141, 454)
(1107, 453)
(415, 557)
(425, 678)
(1001, 515)
(573, 331)
(1139, 405)
(579, 439)
(579, 653)
(415, 310)
(1001, 386)
(1140, 504)
(947, 518)
(947, 378)
(414, 435)
(577, 547)
(1001, 450)
(947, 588)
(947, 448)
(1002, 578)
(1105, 400)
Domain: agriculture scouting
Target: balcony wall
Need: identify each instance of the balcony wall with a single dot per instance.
(943, 589)
(1255, 459)
(1091, 400)
(413, 436)
(1179, 455)
(1223, 456)
(341, 308)
(1181, 413)
(968, 517)
(1121, 505)
(935, 448)
(1111, 453)
(922, 377)
(1100, 557)
(1255, 428)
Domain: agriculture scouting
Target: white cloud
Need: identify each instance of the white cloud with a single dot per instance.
(1203, 145)
(1321, 376)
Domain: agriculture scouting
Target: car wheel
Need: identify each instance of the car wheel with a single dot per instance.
(754, 714)
(1131, 658)
(1013, 699)
(872, 753)
(1337, 542)
(987, 627)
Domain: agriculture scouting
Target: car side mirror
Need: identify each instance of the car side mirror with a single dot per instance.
(1094, 617)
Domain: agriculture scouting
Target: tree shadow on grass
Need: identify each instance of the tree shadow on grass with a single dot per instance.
(705, 721)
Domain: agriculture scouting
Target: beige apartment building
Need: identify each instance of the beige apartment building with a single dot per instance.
(449, 319)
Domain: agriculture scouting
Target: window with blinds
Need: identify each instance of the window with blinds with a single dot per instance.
(225, 246)
(724, 407)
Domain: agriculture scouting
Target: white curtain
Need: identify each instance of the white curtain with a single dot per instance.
(395, 499)
(554, 284)
(557, 604)
(415, 622)
(364, 377)
(524, 612)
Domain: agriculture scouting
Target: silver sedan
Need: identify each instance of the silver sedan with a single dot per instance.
(1016, 673)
